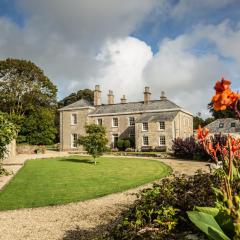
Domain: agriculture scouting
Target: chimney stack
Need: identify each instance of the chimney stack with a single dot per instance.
(147, 95)
(97, 96)
(110, 97)
(123, 99)
(163, 97)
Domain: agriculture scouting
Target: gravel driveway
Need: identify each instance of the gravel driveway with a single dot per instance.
(50, 223)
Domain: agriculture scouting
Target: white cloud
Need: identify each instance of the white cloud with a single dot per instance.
(122, 65)
(64, 37)
(88, 22)
(80, 43)
(187, 76)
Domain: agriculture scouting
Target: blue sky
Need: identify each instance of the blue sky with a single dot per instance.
(180, 46)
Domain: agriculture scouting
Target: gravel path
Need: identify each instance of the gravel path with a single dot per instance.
(52, 223)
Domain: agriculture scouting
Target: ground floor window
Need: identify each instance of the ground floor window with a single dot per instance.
(145, 141)
(162, 141)
(74, 138)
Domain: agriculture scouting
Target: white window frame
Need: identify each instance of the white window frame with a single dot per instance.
(114, 122)
(143, 144)
(73, 143)
(131, 121)
(160, 140)
(221, 125)
(160, 128)
(73, 118)
(100, 119)
(143, 129)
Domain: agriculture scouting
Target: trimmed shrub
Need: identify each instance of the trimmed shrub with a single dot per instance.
(126, 144)
(123, 144)
(120, 144)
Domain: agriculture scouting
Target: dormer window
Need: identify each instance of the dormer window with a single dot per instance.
(233, 124)
(221, 125)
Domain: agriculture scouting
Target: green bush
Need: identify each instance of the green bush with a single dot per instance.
(160, 212)
(123, 144)
(126, 144)
(120, 144)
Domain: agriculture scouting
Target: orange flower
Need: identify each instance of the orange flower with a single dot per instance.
(202, 133)
(222, 85)
(224, 97)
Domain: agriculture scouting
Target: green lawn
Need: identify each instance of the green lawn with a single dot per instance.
(70, 179)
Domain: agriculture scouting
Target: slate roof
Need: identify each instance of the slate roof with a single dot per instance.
(78, 104)
(156, 117)
(129, 107)
(227, 128)
(135, 107)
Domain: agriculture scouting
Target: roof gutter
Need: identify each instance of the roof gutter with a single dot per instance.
(75, 108)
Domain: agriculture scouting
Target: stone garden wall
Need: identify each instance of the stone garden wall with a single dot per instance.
(11, 155)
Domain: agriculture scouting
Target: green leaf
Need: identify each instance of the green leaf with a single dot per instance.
(209, 210)
(206, 223)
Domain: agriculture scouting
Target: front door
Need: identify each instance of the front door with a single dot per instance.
(115, 140)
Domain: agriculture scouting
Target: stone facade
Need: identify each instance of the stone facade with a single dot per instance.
(225, 126)
(124, 120)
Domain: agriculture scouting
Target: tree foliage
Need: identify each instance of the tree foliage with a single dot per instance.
(30, 99)
(228, 113)
(197, 120)
(95, 141)
(38, 128)
(24, 87)
(7, 134)
(86, 94)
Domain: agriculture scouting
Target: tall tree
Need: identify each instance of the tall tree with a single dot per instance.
(24, 87)
(95, 141)
(28, 96)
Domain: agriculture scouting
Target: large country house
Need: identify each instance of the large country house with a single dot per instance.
(153, 123)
